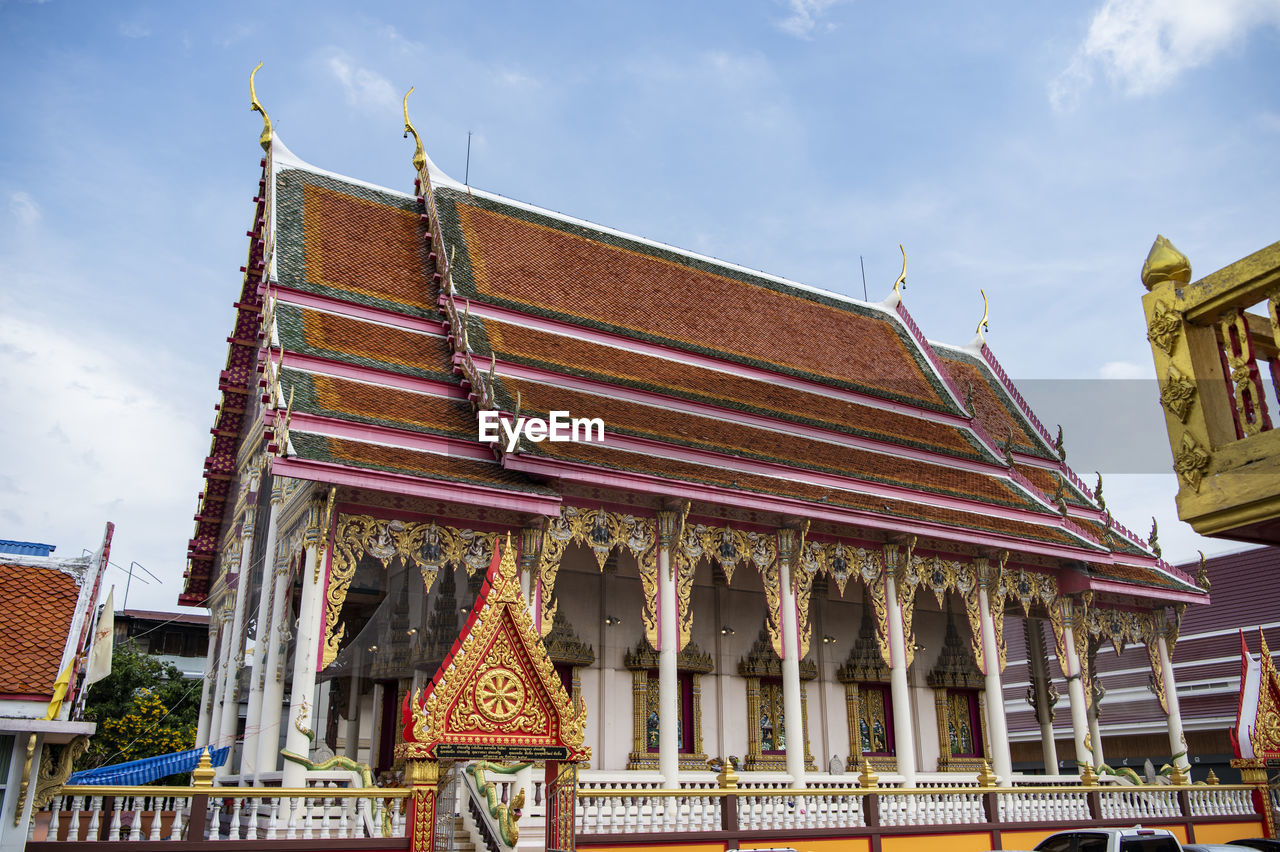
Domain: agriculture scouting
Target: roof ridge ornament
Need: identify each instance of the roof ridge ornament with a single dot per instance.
(901, 283)
(419, 155)
(983, 325)
(256, 106)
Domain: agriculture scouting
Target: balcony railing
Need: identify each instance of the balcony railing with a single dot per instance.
(100, 813)
(375, 818)
(1215, 345)
(725, 814)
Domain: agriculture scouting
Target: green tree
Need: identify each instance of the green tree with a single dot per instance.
(143, 708)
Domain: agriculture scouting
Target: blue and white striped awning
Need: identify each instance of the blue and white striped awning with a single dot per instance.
(148, 768)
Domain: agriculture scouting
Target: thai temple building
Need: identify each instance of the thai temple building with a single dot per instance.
(779, 524)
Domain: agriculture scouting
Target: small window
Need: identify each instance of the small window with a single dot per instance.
(1056, 843)
(875, 719)
(1149, 844)
(1091, 843)
(684, 724)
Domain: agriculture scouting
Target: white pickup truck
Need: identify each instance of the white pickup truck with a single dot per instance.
(1111, 840)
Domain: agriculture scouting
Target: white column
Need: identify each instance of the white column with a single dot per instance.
(904, 734)
(1075, 691)
(208, 690)
(306, 654)
(272, 700)
(235, 651)
(668, 638)
(792, 704)
(253, 713)
(1040, 683)
(1095, 730)
(1001, 761)
(224, 667)
(1177, 742)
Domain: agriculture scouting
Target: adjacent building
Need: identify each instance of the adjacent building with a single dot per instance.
(47, 607)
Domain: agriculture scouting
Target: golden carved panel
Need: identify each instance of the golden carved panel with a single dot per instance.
(599, 530)
(424, 544)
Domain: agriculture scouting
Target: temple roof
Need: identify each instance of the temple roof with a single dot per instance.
(715, 383)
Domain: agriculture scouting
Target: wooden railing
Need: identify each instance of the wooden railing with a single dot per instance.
(1217, 362)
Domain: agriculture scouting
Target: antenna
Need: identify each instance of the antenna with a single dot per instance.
(466, 179)
(864, 278)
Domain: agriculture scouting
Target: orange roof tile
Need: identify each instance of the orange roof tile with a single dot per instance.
(511, 256)
(739, 439)
(990, 407)
(367, 403)
(354, 341)
(595, 454)
(36, 608)
(646, 372)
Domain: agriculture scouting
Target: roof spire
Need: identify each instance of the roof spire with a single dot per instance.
(419, 155)
(265, 139)
(902, 279)
(982, 323)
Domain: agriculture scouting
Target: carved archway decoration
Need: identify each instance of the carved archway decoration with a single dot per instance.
(601, 531)
(425, 544)
(727, 547)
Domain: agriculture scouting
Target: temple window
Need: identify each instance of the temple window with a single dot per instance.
(766, 735)
(868, 702)
(691, 664)
(960, 704)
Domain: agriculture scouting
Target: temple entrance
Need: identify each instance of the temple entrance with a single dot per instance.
(496, 697)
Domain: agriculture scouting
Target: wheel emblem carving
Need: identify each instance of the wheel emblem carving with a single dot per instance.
(500, 695)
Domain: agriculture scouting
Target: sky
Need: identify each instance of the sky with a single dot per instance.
(1030, 150)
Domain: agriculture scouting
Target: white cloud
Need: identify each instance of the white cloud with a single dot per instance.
(364, 88)
(24, 207)
(102, 439)
(805, 17)
(1125, 370)
(1144, 45)
(133, 29)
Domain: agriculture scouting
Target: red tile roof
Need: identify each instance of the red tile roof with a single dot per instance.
(646, 372)
(36, 608)
(363, 247)
(548, 266)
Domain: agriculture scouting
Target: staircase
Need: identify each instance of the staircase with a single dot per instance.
(462, 841)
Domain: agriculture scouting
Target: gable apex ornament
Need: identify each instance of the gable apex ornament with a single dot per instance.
(419, 154)
(497, 691)
(256, 106)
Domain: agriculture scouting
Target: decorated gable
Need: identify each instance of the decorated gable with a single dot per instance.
(497, 694)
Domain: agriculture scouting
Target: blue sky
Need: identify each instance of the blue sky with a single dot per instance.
(1032, 150)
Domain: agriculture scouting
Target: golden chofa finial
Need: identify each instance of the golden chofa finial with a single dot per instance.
(419, 155)
(983, 326)
(1165, 263)
(265, 139)
(902, 279)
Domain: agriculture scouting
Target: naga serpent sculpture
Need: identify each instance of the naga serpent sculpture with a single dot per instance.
(505, 815)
